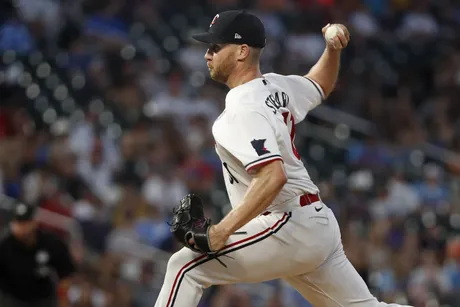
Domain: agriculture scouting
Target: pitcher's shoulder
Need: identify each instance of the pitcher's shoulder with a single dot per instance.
(272, 75)
(247, 97)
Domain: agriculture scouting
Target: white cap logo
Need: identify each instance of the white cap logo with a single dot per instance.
(42, 256)
(237, 36)
(21, 209)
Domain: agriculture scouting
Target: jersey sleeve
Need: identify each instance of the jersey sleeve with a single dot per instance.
(251, 139)
(304, 94)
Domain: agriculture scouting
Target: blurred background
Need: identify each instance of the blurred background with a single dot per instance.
(105, 116)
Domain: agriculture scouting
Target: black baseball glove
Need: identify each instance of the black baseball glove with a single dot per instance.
(189, 222)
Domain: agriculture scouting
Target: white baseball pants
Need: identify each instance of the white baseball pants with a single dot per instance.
(302, 247)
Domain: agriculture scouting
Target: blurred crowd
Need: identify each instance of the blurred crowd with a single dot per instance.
(105, 118)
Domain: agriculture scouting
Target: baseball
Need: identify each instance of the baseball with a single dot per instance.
(332, 31)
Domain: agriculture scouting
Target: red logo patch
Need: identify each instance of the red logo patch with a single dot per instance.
(214, 20)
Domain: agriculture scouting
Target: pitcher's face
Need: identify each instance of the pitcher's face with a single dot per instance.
(221, 60)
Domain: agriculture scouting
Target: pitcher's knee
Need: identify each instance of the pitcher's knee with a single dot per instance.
(177, 260)
(181, 262)
(187, 266)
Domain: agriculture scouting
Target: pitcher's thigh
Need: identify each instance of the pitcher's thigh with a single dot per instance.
(335, 284)
(254, 256)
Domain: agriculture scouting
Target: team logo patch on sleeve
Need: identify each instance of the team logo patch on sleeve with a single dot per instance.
(259, 146)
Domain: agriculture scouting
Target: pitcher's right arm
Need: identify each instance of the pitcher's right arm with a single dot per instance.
(326, 71)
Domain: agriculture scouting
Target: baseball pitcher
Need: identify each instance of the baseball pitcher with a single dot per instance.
(278, 226)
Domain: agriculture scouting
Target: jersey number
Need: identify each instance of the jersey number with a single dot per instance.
(230, 175)
(289, 121)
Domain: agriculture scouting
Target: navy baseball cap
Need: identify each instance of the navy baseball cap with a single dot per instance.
(234, 27)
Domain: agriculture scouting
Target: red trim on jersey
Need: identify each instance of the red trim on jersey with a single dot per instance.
(264, 162)
(180, 273)
(257, 234)
(287, 116)
(188, 264)
(318, 87)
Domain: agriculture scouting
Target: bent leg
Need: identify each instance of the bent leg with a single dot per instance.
(247, 258)
(275, 246)
(260, 255)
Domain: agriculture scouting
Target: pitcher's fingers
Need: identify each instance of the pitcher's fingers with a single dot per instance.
(343, 40)
(336, 43)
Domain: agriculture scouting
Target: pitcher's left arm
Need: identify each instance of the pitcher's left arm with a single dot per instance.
(266, 184)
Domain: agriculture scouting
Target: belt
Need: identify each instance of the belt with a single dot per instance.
(305, 200)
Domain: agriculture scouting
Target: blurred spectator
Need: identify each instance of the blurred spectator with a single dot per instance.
(105, 23)
(427, 279)
(370, 154)
(172, 100)
(419, 23)
(403, 195)
(43, 16)
(431, 191)
(14, 34)
(152, 229)
(144, 294)
(34, 263)
(451, 269)
(363, 22)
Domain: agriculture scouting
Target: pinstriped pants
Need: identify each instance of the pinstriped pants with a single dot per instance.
(302, 247)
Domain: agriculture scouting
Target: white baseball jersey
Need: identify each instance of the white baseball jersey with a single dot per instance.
(258, 126)
(302, 244)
